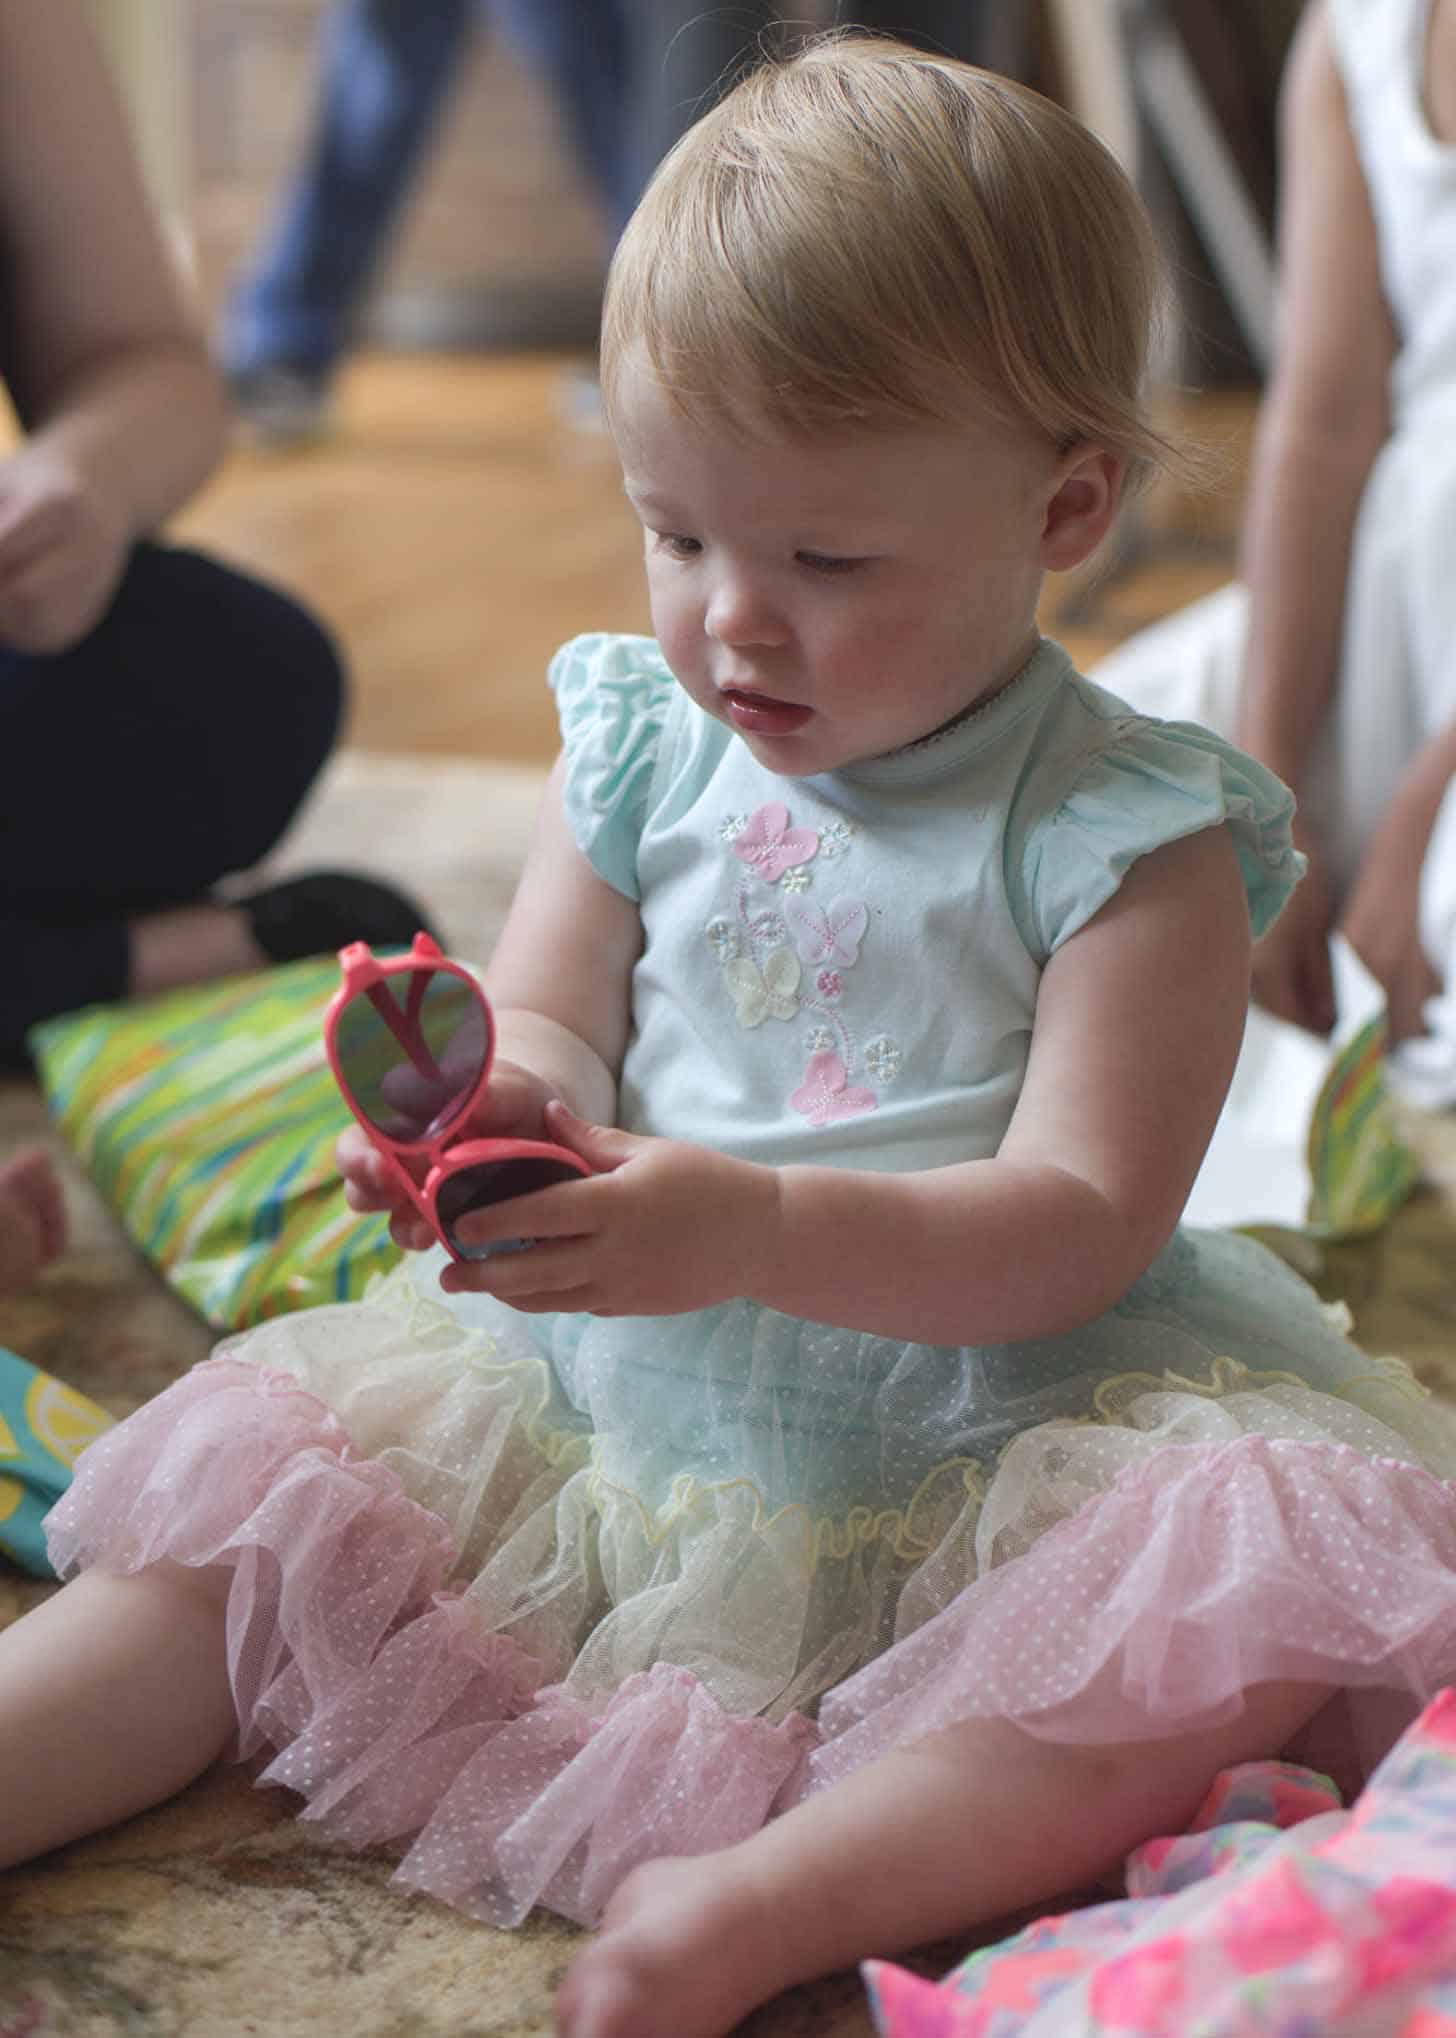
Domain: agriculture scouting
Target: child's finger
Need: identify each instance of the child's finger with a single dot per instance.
(410, 1231)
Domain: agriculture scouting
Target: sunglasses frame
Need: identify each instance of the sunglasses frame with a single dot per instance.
(362, 973)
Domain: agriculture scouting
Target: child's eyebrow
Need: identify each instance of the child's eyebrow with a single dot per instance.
(644, 498)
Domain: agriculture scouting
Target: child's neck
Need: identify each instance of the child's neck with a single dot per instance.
(982, 701)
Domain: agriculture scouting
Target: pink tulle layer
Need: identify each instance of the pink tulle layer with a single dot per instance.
(357, 1659)
(392, 1710)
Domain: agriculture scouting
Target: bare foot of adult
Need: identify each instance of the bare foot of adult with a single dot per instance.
(32, 1217)
(317, 913)
(686, 1949)
(191, 945)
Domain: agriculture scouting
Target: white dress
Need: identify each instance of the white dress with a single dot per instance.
(1397, 678)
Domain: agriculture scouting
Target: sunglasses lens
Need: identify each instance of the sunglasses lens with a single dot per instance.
(486, 1182)
(411, 1049)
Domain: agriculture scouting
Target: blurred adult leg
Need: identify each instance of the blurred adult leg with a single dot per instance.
(583, 49)
(993, 33)
(685, 56)
(385, 68)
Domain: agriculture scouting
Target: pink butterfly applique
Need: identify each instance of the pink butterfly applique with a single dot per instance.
(832, 936)
(769, 846)
(827, 1093)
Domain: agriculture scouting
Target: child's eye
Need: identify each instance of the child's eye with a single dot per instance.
(825, 562)
(677, 546)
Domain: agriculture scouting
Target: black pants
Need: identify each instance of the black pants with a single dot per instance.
(168, 748)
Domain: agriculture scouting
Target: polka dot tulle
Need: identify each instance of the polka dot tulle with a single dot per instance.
(456, 1630)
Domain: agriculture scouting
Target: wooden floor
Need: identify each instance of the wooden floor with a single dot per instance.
(458, 526)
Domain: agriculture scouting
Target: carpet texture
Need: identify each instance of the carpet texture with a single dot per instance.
(217, 1914)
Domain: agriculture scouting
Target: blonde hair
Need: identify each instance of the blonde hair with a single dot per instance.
(862, 234)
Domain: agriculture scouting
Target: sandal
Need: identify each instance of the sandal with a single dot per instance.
(325, 910)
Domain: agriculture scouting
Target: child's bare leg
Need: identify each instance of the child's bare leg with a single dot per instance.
(32, 1217)
(113, 1694)
(954, 1832)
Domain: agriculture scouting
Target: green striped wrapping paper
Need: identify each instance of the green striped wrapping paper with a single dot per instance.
(207, 1119)
(1360, 1169)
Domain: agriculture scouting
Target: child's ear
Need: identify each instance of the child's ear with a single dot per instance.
(1086, 487)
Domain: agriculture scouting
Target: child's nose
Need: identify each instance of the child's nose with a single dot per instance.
(742, 611)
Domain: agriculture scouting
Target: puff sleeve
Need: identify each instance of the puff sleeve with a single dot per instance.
(612, 698)
(1151, 783)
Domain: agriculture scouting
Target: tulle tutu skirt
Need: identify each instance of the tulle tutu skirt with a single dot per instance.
(456, 1629)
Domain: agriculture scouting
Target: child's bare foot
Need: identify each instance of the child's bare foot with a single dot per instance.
(686, 1949)
(32, 1217)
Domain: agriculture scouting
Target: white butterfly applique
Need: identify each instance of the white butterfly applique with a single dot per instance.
(768, 993)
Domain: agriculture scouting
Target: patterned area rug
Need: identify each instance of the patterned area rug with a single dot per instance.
(217, 1913)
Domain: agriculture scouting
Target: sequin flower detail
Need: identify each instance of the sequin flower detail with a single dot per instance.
(882, 1060)
(835, 838)
(829, 984)
(826, 1092)
(769, 846)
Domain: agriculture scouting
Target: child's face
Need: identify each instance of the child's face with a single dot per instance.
(833, 600)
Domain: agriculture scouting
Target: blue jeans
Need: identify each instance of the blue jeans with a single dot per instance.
(386, 67)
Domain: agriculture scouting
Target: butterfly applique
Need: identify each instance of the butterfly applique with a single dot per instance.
(826, 1092)
(769, 846)
(827, 935)
(768, 993)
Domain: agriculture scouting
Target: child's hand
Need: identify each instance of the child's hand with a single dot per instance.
(513, 1107)
(371, 1184)
(660, 1227)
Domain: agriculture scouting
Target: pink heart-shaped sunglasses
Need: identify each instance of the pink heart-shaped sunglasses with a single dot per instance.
(410, 1041)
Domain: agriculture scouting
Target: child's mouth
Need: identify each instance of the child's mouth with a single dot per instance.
(758, 715)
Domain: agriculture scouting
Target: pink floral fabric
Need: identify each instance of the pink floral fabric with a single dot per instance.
(1277, 1916)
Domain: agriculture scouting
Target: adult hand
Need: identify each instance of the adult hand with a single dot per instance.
(1292, 962)
(660, 1227)
(62, 552)
(512, 1107)
(1381, 920)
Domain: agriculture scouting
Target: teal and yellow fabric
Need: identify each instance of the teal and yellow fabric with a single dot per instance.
(44, 1427)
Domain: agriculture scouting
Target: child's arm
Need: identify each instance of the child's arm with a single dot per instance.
(560, 977)
(1137, 1030)
(559, 983)
(124, 415)
(1323, 420)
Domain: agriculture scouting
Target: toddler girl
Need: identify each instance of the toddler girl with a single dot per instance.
(863, 1511)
